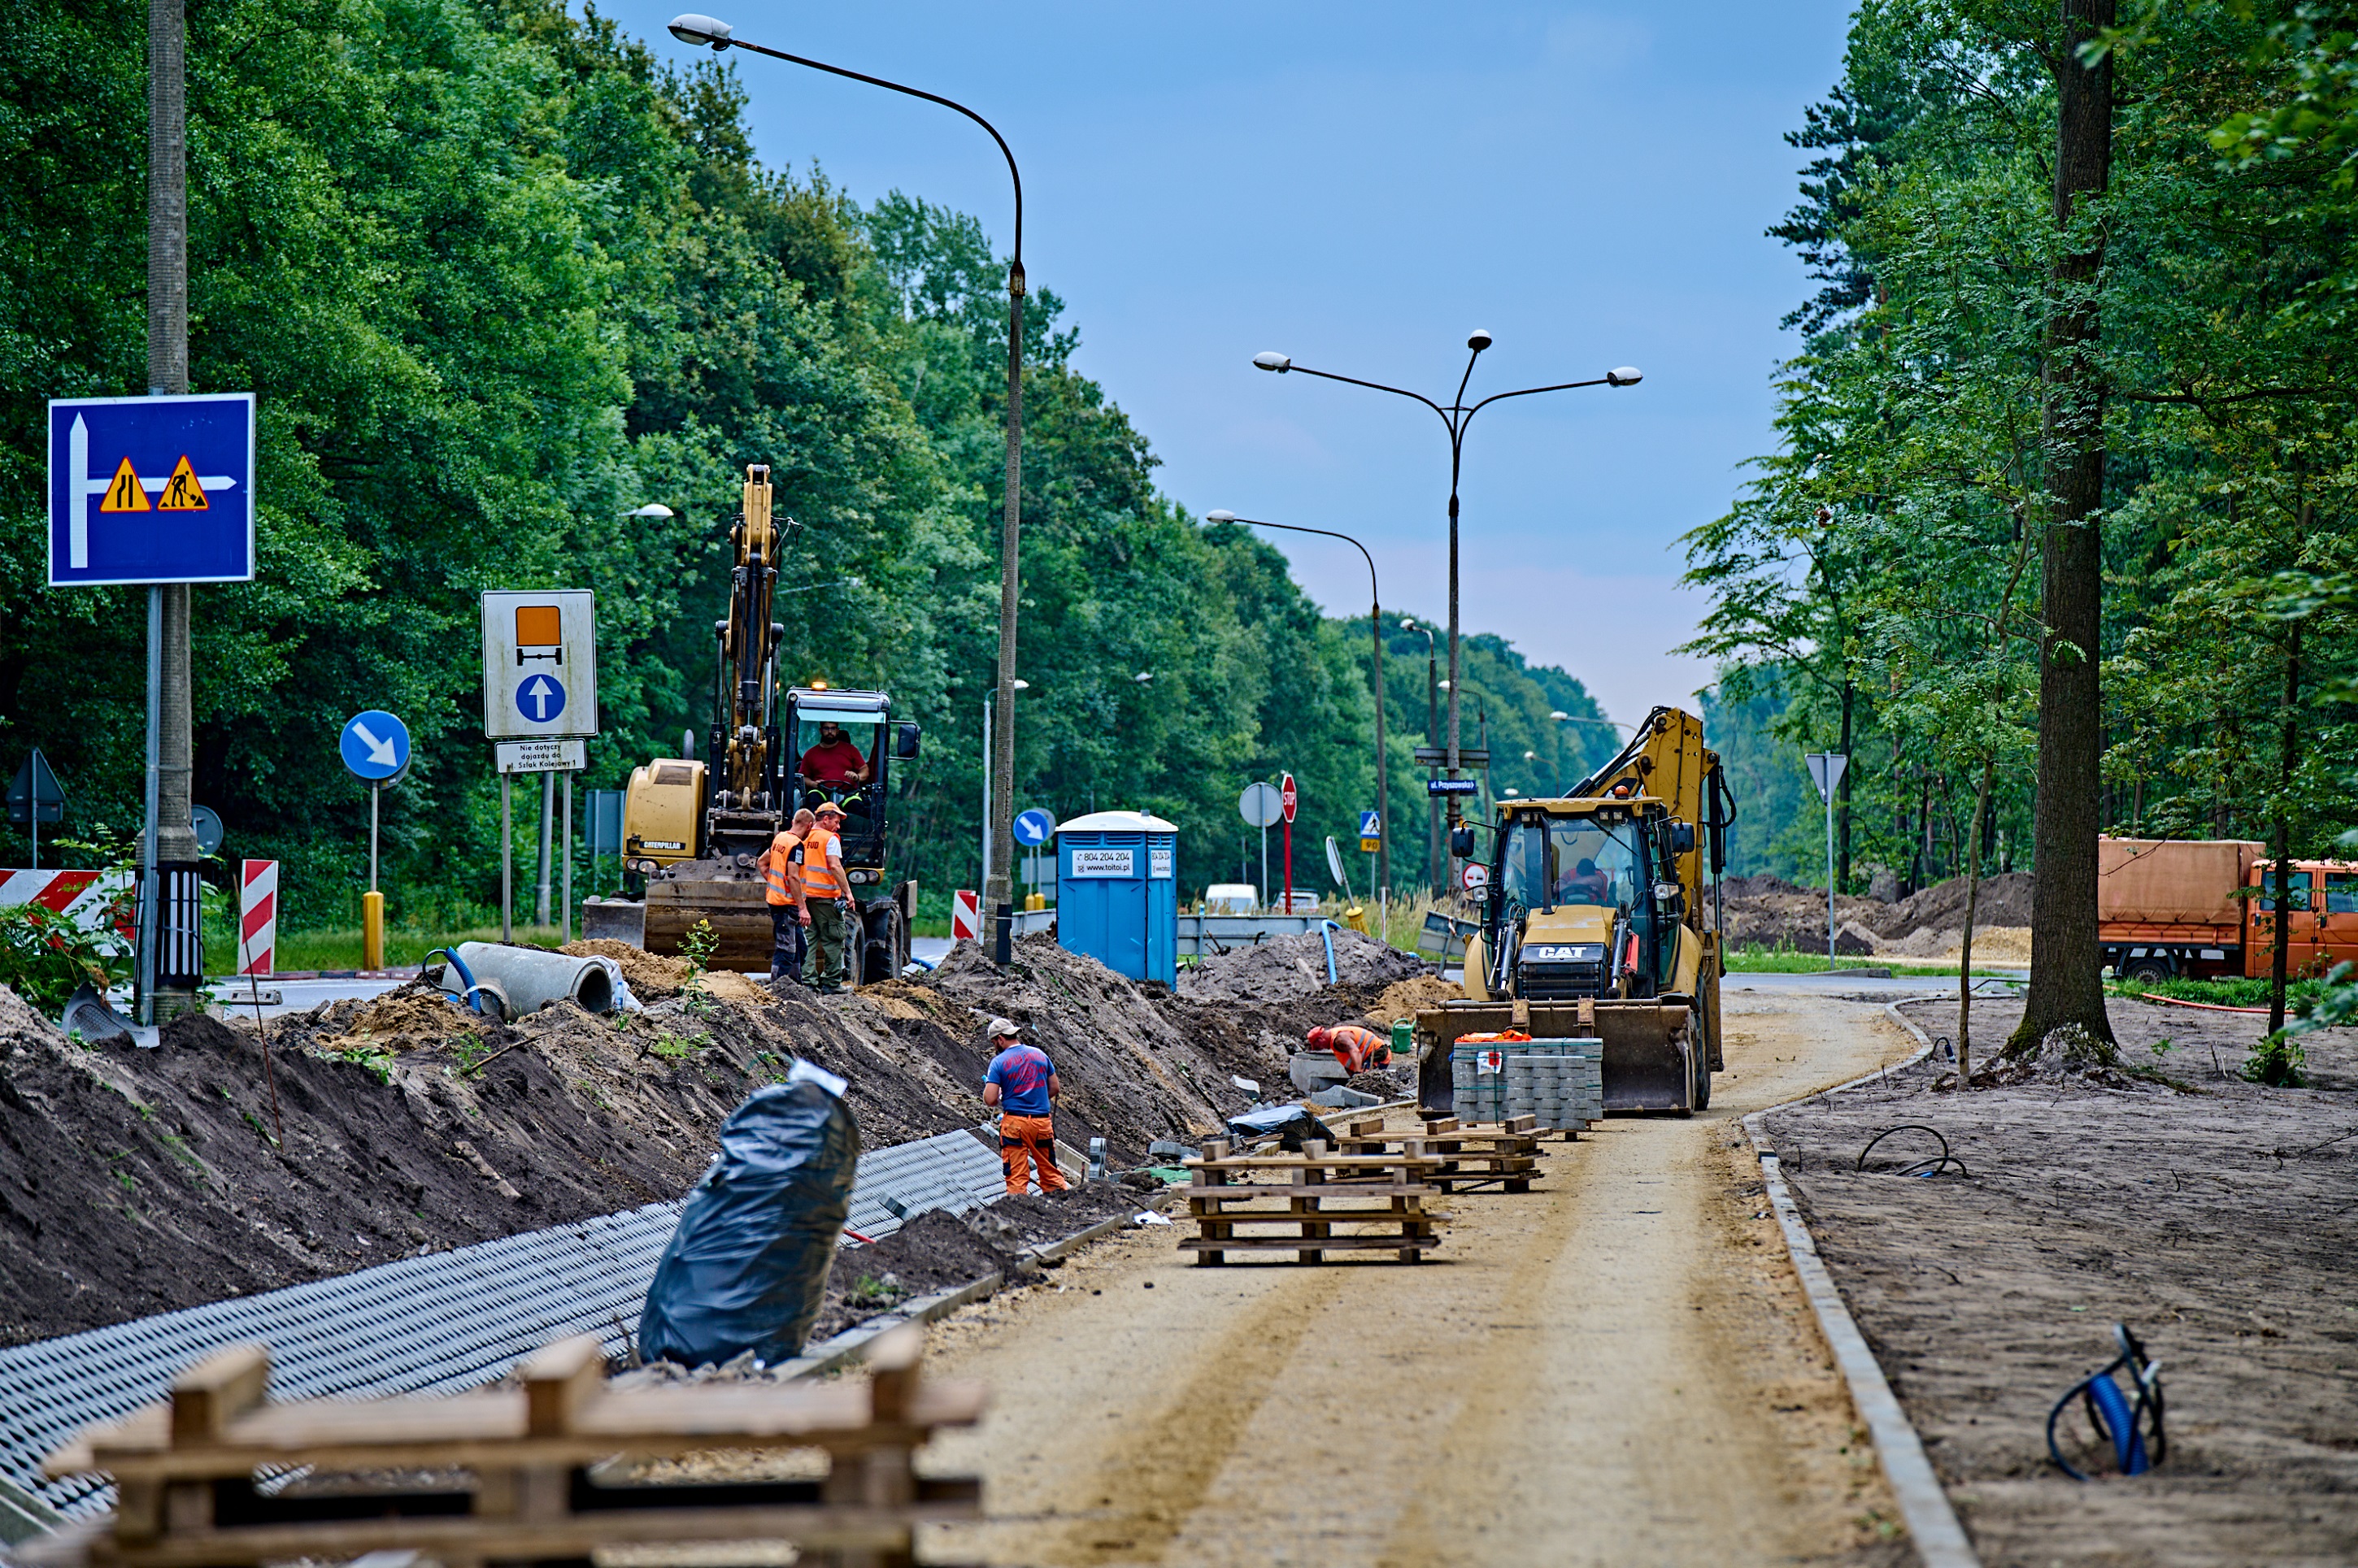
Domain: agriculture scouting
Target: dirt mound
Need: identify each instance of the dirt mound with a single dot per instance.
(412, 1017)
(1403, 998)
(650, 976)
(1768, 911)
(1296, 966)
(1135, 1062)
(2002, 901)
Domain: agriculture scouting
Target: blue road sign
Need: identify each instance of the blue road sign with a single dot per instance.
(151, 489)
(540, 699)
(1453, 787)
(375, 745)
(1033, 828)
(1370, 825)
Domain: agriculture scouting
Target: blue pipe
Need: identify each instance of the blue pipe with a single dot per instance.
(1327, 929)
(467, 979)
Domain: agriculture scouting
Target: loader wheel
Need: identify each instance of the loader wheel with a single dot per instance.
(882, 941)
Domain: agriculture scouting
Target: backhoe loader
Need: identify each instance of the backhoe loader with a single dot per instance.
(1593, 924)
(693, 834)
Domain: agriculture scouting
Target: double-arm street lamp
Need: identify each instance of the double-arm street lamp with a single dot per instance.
(693, 28)
(1376, 622)
(1456, 417)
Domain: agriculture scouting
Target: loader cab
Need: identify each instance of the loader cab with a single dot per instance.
(1575, 900)
(841, 746)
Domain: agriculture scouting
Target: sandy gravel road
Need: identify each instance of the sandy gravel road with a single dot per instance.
(1616, 1368)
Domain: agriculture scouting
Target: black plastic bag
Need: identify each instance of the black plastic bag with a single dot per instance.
(747, 1268)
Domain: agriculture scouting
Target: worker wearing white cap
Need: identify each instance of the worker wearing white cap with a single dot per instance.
(1021, 1083)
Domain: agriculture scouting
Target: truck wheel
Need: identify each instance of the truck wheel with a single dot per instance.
(2148, 971)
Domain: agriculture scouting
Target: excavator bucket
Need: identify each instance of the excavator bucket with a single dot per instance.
(729, 898)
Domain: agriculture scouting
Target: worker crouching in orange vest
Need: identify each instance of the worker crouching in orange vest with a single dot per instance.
(1022, 1083)
(1359, 1050)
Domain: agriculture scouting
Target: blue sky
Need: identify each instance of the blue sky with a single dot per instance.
(1360, 186)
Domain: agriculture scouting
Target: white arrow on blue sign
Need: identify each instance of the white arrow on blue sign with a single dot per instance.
(375, 745)
(145, 490)
(540, 699)
(1033, 827)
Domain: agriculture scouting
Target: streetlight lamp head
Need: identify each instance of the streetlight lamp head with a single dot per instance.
(1559, 715)
(652, 509)
(1143, 676)
(1271, 360)
(1019, 685)
(1222, 515)
(1478, 341)
(689, 27)
(1626, 375)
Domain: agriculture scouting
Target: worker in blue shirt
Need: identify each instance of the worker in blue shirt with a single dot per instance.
(1022, 1084)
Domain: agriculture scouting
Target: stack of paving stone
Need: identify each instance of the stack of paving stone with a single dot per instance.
(1558, 1083)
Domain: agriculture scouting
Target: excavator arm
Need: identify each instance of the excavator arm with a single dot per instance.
(749, 649)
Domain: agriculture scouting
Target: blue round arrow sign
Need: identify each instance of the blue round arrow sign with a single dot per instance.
(375, 745)
(540, 697)
(1033, 827)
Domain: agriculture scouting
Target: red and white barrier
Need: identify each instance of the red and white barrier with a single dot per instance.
(965, 915)
(84, 897)
(257, 917)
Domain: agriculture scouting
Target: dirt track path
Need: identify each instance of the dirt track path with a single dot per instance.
(1614, 1369)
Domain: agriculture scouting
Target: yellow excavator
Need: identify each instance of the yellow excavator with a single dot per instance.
(692, 833)
(1593, 924)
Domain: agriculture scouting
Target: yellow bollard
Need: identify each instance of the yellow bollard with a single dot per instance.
(371, 930)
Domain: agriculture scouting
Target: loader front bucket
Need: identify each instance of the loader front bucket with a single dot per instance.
(730, 899)
(1648, 1046)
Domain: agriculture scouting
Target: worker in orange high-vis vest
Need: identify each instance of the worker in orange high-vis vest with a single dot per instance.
(826, 894)
(782, 888)
(1359, 1050)
(1022, 1084)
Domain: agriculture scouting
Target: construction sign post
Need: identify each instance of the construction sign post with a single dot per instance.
(257, 917)
(1288, 796)
(540, 683)
(35, 797)
(151, 490)
(1826, 772)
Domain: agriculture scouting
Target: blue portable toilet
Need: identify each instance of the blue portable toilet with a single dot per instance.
(1118, 892)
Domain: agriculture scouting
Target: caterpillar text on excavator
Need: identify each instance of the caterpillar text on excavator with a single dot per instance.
(694, 832)
(1593, 924)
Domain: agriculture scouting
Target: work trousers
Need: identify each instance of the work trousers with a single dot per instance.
(823, 965)
(785, 941)
(1023, 1139)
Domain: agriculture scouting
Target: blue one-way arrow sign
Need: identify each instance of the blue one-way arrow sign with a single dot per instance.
(375, 745)
(151, 489)
(540, 699)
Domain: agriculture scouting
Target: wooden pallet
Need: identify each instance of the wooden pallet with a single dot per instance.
(1441, 1121)
(1468, 1157)
(525, 1491)
(1306, 1196)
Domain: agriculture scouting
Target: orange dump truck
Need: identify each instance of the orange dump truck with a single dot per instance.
(2177, 908)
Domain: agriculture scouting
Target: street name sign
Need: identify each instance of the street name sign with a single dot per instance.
(1453, 787)
(375, 745)
(149, 490)
(540, 663)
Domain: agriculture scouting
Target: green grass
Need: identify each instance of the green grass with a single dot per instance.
(1786, 961)
(341, 949)
(2237, 992)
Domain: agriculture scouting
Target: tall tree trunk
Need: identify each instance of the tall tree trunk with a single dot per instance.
(2066, 974)
(2288, 759)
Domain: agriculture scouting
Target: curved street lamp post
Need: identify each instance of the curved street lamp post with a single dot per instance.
(692, 28)
(1376, 624)
(1456, 417)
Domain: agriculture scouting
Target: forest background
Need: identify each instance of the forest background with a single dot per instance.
(1877, 589)
(499, 280)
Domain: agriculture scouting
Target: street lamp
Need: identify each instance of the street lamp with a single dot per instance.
(1375, 628)
(1455, 419)
(1437, 871)
(1143, 676)
(652, 509)
(694, 28)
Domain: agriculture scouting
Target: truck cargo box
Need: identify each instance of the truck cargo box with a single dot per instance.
(2165, 889)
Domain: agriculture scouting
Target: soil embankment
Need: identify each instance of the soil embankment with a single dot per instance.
(1768, 911)
(2214, 1219)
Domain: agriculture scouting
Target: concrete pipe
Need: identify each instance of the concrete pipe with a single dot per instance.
(525, 979)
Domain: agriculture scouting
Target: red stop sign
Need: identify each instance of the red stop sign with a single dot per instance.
(1286, 795)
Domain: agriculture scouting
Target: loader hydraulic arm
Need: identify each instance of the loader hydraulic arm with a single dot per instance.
(748, 644)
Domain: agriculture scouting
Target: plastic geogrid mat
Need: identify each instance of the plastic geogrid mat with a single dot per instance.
(440, 1323)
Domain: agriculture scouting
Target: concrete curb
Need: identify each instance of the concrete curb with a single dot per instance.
(1941, 1541)
(851, 1347)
